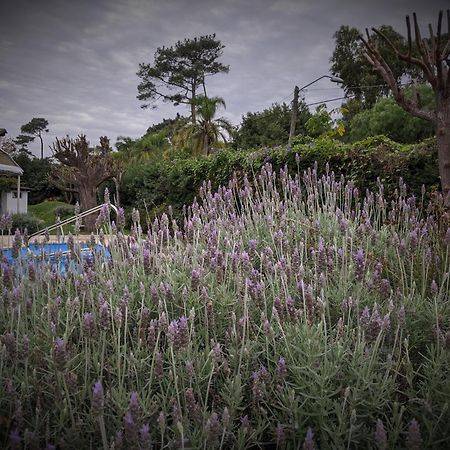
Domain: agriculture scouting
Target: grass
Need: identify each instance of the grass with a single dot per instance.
(46, 211)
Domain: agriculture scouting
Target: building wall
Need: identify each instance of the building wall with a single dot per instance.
(9, 202)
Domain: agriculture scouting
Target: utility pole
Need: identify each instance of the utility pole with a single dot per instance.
(293, 114)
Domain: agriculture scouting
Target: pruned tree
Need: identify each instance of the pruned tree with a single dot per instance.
(35, 127)
(431, 56)
(82, 169)
(178, 72)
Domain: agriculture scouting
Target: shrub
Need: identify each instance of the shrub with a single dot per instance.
(28, 221)
(366, 162)
(64, 212)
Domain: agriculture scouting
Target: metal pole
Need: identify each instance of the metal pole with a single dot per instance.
(18, 194)
(293, 114)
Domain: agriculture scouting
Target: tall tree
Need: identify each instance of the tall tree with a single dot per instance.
(22, 140)
(35, 127)
(271, 126)
(209, 131)
(349, 63)
(432, 58)
(178, 72)
(82, 169)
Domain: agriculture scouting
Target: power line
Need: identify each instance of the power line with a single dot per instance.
(331, 100)
(348, 87)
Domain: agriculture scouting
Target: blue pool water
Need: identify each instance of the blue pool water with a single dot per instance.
(54, 253)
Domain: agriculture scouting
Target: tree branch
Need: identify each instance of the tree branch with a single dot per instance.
(60, 186)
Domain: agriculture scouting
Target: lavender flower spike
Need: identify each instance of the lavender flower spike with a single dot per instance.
(97, 399)
(308, 443)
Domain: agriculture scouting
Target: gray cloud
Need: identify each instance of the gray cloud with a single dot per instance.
(75, 63)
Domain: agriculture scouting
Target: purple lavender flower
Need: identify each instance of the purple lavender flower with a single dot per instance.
(195, 279)
(135, 216)
(434, 287)
(10, 343)
(192, 405)
(178, 333)
(213, 428)
(146, 261)
(120, 218)
(280, 435)
(308, 443)
(89, 326)
(359, 261)
(133, 405)
(144, 437)
(105, 316)
(15, 440)
(131, 432)
(414, 437)
(381, 436)
(60, 354)
(97, 399)
(118, 441)
(281, 370)
(159, 368)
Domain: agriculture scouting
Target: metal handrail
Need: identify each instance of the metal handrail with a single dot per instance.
(72, 219)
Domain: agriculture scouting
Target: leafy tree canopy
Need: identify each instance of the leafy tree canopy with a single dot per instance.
(35, 177)
(270, 127)
(35, 127)
(210, 132)
(22, 141)
(388, 118)
(349, 63)
(179, 71)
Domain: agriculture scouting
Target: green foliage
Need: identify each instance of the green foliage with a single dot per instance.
(209, 132)
(28, 221)
(22, 140)
(388, 118)
(270, 127)
(177, 182)
(8, 183)
(350, 64)
(182, 67)
(35, 177)
(35, 127)
(319, 123)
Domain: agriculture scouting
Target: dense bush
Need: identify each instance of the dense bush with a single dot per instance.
(310, 316)
(153, 186)
(64, 212)
(35, 177)
(388, 118)
(28, 221)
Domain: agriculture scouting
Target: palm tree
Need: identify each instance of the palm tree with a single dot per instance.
(208, 132)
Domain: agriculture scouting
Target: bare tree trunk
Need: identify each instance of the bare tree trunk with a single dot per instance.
(443, 143)
(193, 112)
(205, 144)
(88, 200)
(42, 146)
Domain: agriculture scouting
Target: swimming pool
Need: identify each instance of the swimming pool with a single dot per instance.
(55, 253)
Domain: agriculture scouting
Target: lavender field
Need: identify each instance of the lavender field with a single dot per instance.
(288, 311)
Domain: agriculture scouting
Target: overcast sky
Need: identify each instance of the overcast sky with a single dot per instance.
(74, 62)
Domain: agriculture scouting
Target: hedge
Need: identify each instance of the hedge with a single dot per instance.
(153, 187)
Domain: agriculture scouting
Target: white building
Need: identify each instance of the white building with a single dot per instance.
(12, 200)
